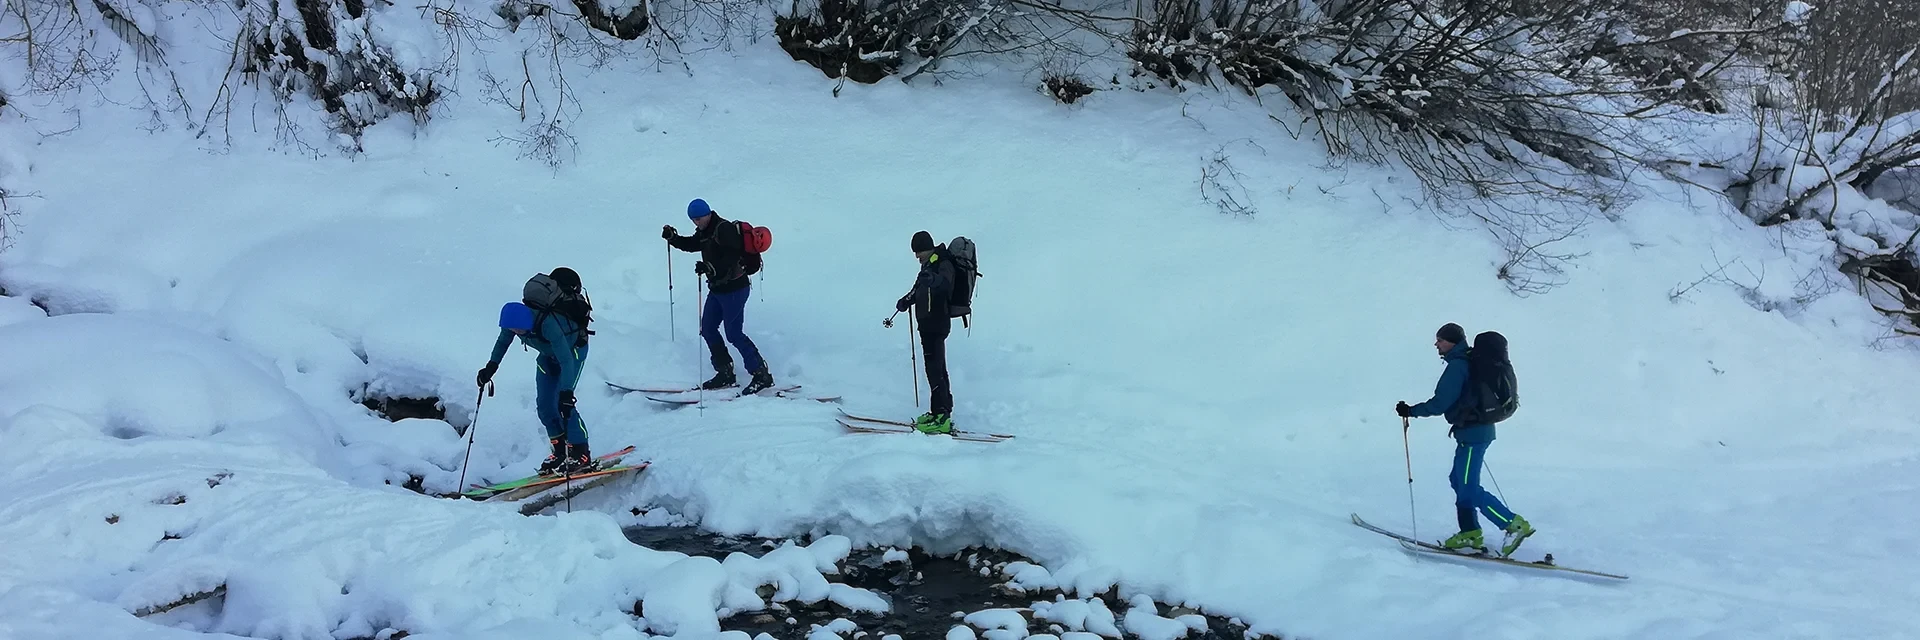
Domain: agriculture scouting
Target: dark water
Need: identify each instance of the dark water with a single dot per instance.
(926, 591)
(397, 409)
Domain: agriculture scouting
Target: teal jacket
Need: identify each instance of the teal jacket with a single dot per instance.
(1447, 394)
(555, 341)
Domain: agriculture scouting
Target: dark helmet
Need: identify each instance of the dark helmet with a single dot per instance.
(566, 278)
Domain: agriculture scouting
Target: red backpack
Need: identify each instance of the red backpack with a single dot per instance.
(755, 240)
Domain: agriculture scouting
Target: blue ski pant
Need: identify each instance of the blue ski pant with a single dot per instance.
(730, 309)
(546, 385)
(1469, 496)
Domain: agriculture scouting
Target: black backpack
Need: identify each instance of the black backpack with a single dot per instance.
(1493, 391)
(545, 295)
(966, 270)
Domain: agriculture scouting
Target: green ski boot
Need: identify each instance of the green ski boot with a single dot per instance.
(1517, 531)
(933, 423)
(1466, 541)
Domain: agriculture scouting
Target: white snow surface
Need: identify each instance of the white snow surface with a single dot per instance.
(1797, 11)
(998, 619)
(1089, 615)
(1142, 621)
(1199, 400)
(14, 310)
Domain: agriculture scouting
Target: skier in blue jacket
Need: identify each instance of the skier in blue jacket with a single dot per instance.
(561, 343)
(1469, 453)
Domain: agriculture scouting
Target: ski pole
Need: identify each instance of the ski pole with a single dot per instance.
(700, 303)
(672, 323)
(478, 396)
(1407, 449)
(888, 323)
(1496, 483)
(914, 358)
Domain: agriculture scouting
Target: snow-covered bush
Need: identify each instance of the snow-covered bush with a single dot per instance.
(335, 53)
(623, 19)
(867, 40)
(850, 39)
(1492, 105)
(1829, 139)
(360, 62)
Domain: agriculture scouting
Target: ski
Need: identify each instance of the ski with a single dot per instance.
(1421, 547)
(861, 424)
(684, 398)
(480, 491)
(849, 416)
(627, 389)
(542, 501)
(543, 484)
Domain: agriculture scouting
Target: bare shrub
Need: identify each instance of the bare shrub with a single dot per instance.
(63, 53)
(10, 215)
(626, 26)
(1066, 87)
(1224, 187)
(547, 142)
(1493, 105)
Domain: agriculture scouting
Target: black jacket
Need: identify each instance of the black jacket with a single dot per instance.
(932, 289)
(721, 247)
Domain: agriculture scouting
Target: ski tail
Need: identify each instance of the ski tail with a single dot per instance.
(893, 427)
(481, 491)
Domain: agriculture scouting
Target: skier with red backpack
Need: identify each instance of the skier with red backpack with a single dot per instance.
(1477, 390)
(729, 256)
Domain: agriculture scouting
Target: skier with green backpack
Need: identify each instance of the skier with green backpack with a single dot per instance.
(1477, 390)
(552, 319)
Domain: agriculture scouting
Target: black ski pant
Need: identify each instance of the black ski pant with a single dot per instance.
(933, 340)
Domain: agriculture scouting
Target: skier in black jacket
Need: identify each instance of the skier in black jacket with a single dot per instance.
(728, 267)
(929, 297)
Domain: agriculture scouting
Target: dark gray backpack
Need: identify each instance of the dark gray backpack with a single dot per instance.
(545, 296)
(966, 271)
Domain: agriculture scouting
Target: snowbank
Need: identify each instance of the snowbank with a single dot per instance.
(14, 310)
(134, 378)
(153, 464)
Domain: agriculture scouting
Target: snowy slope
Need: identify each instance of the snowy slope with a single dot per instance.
(1199, 399)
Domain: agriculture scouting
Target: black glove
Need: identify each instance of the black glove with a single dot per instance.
(905, 302)
(486, 374)
(1402, 409)
(566, 404)
(667, 232)
(702, 268)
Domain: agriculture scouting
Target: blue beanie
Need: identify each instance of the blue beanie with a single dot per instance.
(516, 316)
(698, 209)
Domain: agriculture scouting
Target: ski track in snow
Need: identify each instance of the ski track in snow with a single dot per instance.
(1199, 400)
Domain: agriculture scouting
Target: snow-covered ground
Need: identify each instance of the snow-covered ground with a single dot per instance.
(1199, 399)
